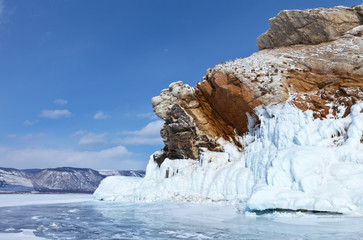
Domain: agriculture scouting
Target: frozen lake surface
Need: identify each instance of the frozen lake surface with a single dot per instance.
(79, 217)
(9, 200)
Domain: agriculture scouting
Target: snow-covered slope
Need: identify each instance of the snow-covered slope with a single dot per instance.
(14, 179)
(63, 179)
(67, 180)
(130, 173)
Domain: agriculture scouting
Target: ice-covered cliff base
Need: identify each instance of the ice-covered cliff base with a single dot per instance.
(290, 161)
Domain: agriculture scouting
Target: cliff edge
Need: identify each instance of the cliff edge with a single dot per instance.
(312, 59)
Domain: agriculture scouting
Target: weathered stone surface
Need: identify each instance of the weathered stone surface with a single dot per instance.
(312, 26)
(325, 77)
(190, 123)
(229, 97)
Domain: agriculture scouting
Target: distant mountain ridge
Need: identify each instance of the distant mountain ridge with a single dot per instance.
(62, 179)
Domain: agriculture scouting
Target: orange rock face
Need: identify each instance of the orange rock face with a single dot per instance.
(229, 98)
(326, 78)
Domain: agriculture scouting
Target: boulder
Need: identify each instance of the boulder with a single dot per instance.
(312, 26)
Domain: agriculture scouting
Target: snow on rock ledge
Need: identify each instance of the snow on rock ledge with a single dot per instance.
(292, 161)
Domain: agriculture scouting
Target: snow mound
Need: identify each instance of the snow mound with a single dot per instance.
(290, 161)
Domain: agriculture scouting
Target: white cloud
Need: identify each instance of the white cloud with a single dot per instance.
(79, 133)
(113, 152)
(26, 137)
(149, 115)
(100, 115)
(92, 139)
(31, 136)
(139, 141)
(151, 129)
(148, 135)
(29, 123)
(110, 158)
(60, 101)
(54, 114)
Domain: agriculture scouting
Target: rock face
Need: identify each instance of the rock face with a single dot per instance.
(312, 59)
(311, 26)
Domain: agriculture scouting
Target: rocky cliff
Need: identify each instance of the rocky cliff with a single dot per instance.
(312, 59)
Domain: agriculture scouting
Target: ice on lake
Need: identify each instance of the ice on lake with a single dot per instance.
(77, 217)
(9, 200)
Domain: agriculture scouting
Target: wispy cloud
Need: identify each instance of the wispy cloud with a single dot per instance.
(29, 123)
(139, 141)
(149, 115)
(151, 129)
(79, 133)
(54, 114)
(100, 115)
(26, 137)
(148, 135)
(60, 101)
(92, 139)
(110, 158)
(89, 138)
(32, 136)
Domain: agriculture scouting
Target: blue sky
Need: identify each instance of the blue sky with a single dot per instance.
(77, 77)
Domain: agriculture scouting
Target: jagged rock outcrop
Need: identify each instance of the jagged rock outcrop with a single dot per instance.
(311, 58)
(187, 120)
